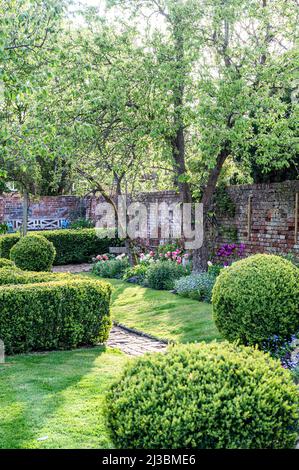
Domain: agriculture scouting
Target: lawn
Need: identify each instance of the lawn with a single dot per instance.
(56, 399)
(59, 395)
(161, 313)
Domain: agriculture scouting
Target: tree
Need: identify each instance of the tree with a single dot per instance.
(28, 32)
(226, 65)
(241, 110)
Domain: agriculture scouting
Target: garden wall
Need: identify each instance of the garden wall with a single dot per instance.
(264, 216)
(56, 207)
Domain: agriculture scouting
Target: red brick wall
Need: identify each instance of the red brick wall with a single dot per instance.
(273, 217)
(60, 207)
(273, 213)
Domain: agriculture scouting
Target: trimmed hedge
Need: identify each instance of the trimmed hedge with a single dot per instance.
(6, 244)
(33, 253)
(256, 298)
(4, 263)
(72, 246)
(10, 275)
(204, 396)
(54, 315)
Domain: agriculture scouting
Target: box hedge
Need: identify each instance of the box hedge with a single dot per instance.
(4, 263)
(72, 246)
(205, 396)
(11, 275)
(257, 298)
(54, 315)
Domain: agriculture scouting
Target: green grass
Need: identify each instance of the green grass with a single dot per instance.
(161, 313)
(59, 395)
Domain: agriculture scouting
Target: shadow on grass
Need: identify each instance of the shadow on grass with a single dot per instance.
(33, 387)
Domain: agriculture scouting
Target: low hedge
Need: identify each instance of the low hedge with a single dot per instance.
(33, 253)
(257, 298)
(72, 246)
(10, 275)
(205, 396)
(55, 315)
(4, 263)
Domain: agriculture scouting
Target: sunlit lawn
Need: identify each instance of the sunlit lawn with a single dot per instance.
(57, 397)
(161, 313)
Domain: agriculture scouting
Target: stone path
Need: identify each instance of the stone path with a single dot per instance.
(127, 341)
(73, 268)
(132, 343)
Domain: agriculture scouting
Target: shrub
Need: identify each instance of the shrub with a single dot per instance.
(3, 228)
(257, 298)
(196, 286)
(33, 253)
(216, 395)
(10, 275)
(72, 246)
(162, 274)
(4, 263)
(81, 223)
(112, 268)
(6, 244)
(291, 257)
(54, 315)
(136, 273)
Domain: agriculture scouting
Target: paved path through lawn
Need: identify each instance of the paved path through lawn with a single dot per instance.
(73, 268)
(132, 343)
(127, 341)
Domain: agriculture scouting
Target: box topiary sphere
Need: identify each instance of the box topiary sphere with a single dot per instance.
(256, 298)
(216, 395)
(33, 253)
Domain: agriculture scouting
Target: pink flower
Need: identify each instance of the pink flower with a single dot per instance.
(161, 255)
(141, 255)
(179, 260)
(99, 258)
(105, 257)
(186, 255)
(151, 253)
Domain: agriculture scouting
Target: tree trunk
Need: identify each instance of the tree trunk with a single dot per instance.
(201, 256)
(178, 149)
(178, 140)
(25, 212)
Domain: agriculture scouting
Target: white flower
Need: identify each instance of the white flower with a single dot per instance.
(210, 263)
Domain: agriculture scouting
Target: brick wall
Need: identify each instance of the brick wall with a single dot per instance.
(157, 197)
(60, 207)
(272, 217)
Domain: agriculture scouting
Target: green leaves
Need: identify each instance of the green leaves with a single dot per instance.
(257, 298)
(204, 396)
